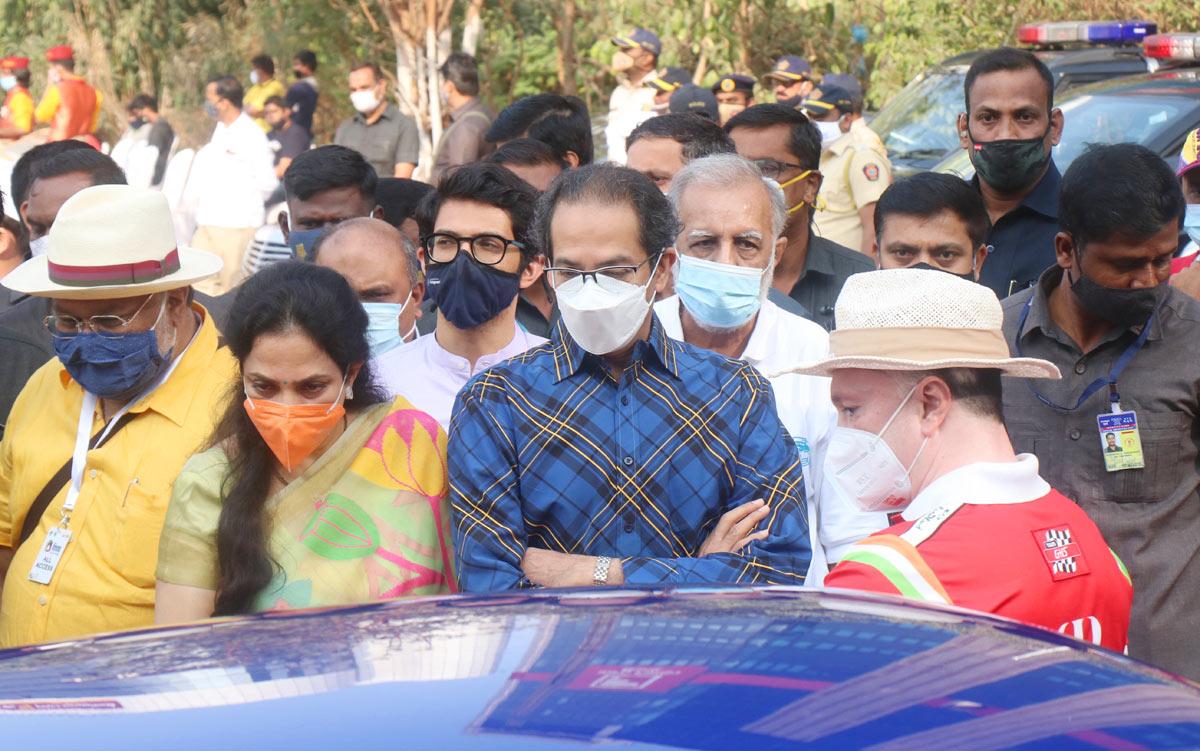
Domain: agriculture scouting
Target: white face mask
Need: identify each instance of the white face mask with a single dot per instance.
(254, 79)
(830, 132)
(38, 247)
(364, 101)
(866, 469)
(603, 316)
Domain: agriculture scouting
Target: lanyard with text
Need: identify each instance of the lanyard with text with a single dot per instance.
(51, 552)
(1111, 379)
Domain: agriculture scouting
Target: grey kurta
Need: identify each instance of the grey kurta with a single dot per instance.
(1151, 516)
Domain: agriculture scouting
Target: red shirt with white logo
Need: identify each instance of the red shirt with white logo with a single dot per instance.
(1014, 547)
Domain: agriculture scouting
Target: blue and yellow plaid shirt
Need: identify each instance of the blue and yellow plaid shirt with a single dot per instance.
(548, 450)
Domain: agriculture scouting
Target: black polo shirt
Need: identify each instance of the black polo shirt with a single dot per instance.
(1023, 239)
(826, 269)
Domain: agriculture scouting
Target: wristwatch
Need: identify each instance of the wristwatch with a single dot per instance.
(600, 574)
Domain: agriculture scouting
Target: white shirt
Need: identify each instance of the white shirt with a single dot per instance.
(430, 377)
(628, 107)
(232, 176)
(782, 340)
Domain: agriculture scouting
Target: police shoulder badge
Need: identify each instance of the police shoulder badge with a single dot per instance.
(1062, 554)
(871, 172)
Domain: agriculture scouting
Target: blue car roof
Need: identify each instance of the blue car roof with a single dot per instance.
(716, 668)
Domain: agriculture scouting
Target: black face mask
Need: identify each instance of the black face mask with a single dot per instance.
(297, 74)
(1123, 308)
(1012, 165)
(137, 122)
(970, 277)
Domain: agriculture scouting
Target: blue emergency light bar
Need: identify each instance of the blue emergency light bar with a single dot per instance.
(1087, 32)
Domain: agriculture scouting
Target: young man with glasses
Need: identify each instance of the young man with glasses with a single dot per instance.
(786, 146)
(477, 257)
(615, 454)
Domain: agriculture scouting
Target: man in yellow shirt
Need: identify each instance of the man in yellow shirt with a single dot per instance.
(69, 104)
(263, 86)
(854, 163)
(16, 116)
(98, 435)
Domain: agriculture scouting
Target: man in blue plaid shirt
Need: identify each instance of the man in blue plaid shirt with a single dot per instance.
(614, 454)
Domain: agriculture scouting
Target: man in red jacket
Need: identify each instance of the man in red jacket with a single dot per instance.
(916, 363)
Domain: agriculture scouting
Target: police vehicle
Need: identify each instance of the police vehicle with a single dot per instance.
(1156, 109)
(918, 124)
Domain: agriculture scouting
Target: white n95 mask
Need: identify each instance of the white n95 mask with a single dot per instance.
(866, 469)
(603, 315)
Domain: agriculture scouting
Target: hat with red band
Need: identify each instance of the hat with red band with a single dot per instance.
(59, 53)
(112, 241)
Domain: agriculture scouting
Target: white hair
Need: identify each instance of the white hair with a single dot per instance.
(724, 171)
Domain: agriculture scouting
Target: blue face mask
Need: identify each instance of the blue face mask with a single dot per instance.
(719, 295)
(302, 241)
(383, 325)
(112, 366)
(1191, 222)
(8, 83)
(468, 293)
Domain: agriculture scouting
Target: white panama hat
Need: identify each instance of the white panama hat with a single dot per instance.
(111, 241)
(917, 319)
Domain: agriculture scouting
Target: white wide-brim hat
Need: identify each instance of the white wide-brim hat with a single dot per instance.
(112, 241)
(917, 319)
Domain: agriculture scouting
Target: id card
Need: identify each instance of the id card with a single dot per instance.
(1120, 441)
(49, 556)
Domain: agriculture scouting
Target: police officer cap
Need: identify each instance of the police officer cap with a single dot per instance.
(647, 40)
(694, 99)
(826, 100)
(671, 79)
(791, 68)
(847, 82)
(734, 82)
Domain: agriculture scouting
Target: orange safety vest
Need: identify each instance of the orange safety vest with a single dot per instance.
(76, 108)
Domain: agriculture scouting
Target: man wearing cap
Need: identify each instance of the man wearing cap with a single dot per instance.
(664, 86)
(693, 99)
(855, 165)
(69, 104)
(16, 115)
(921, 435)
(791, 78)
(99, 434)
(632, 101)
(1126, 342)
(734, 92)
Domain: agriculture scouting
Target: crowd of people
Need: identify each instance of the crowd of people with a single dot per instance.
(736, 352)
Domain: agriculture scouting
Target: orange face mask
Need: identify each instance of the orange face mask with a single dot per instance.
(293, 432)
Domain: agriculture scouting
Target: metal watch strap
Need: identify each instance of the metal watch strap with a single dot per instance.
(600, 574)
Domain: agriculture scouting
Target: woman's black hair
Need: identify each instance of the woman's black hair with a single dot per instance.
(287, 295)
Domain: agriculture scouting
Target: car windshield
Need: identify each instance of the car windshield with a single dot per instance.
(920, 121)
(1097, 119)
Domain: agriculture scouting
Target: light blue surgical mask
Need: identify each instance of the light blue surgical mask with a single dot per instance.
(719, 295)
(8, 83)
(383, 326)
(1191, 222)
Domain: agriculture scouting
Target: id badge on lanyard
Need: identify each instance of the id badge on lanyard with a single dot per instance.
(1120, 440)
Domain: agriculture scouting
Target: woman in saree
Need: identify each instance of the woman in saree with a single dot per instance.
(316, 490)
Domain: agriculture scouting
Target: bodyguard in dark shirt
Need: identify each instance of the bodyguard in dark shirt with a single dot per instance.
(287, 139)
(302, 95)
(787, 148)
(1009, 127)
(1126, 343)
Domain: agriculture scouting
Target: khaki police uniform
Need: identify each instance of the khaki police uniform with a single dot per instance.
(856, 171)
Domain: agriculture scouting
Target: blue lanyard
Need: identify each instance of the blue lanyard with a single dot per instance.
(1111, 379)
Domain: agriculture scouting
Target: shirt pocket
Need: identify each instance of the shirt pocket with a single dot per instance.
(140, 523)
(1164, 436)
